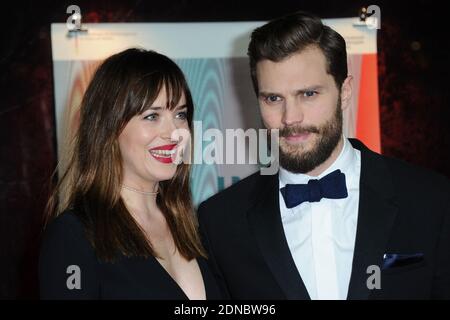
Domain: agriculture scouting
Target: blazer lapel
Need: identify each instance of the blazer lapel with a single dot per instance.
(265, 221)
(377, 212)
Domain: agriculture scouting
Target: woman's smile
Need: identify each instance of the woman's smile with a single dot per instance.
(164, 153)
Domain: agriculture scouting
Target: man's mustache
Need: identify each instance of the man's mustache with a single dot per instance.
(295, 130)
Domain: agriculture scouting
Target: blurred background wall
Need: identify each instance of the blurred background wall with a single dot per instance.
(413, 69)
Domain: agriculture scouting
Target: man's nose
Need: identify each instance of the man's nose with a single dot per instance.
(293, 112)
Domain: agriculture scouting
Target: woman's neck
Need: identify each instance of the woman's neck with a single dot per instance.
(142, 201)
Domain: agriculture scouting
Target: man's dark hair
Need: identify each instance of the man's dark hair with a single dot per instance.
(282, 37)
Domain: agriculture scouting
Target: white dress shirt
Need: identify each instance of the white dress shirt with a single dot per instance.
(321, 235)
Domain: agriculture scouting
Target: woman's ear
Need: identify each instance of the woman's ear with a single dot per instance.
(346, 92)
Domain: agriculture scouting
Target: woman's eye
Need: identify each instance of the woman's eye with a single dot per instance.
(182, 115)
(151, 117)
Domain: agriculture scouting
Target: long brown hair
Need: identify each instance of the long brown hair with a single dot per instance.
(123, 86)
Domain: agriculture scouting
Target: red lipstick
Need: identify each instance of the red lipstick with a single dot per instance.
(163, 153)
(165, 147)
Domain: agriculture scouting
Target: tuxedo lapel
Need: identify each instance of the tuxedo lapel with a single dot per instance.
(377, 212)
(265, 222)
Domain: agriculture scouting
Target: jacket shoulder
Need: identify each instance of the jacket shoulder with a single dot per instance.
(235, 198)
(408, 176)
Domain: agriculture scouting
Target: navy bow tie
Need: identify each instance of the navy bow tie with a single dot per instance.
(331, 186)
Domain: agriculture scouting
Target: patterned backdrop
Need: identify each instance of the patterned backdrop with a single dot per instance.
(414, 97)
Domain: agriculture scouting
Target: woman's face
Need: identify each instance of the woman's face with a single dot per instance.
(149, 145)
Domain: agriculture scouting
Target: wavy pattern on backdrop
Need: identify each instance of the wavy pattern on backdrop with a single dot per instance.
(206, 81)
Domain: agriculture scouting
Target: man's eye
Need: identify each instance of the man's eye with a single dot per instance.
(309, 94)
(151, 117)
(273, 98)
(182, 115)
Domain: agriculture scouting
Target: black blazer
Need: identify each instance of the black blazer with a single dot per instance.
(403, 210)
(65, 244)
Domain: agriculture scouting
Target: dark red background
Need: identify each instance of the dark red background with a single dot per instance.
(413, 82)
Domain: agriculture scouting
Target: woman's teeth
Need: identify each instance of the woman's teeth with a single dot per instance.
(163, 153)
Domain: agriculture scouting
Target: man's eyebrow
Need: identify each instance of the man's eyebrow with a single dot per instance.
(267, 93)
(299, 91)
(311, 88)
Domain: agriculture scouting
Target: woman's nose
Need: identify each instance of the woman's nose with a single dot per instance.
(168, 127)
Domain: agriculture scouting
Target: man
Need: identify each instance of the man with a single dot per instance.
(338, 221)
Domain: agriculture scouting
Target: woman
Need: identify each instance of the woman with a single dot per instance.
(126, 228)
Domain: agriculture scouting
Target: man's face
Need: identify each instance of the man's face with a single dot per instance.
(298, 97)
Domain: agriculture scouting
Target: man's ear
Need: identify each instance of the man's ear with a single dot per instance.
(346, 92)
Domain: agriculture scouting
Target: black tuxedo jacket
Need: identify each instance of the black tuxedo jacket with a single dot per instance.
(403, 210)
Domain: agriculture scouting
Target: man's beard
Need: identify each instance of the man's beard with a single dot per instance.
(329, 135)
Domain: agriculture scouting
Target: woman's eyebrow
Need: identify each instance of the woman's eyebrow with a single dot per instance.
(182, 106)
(154, 108)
